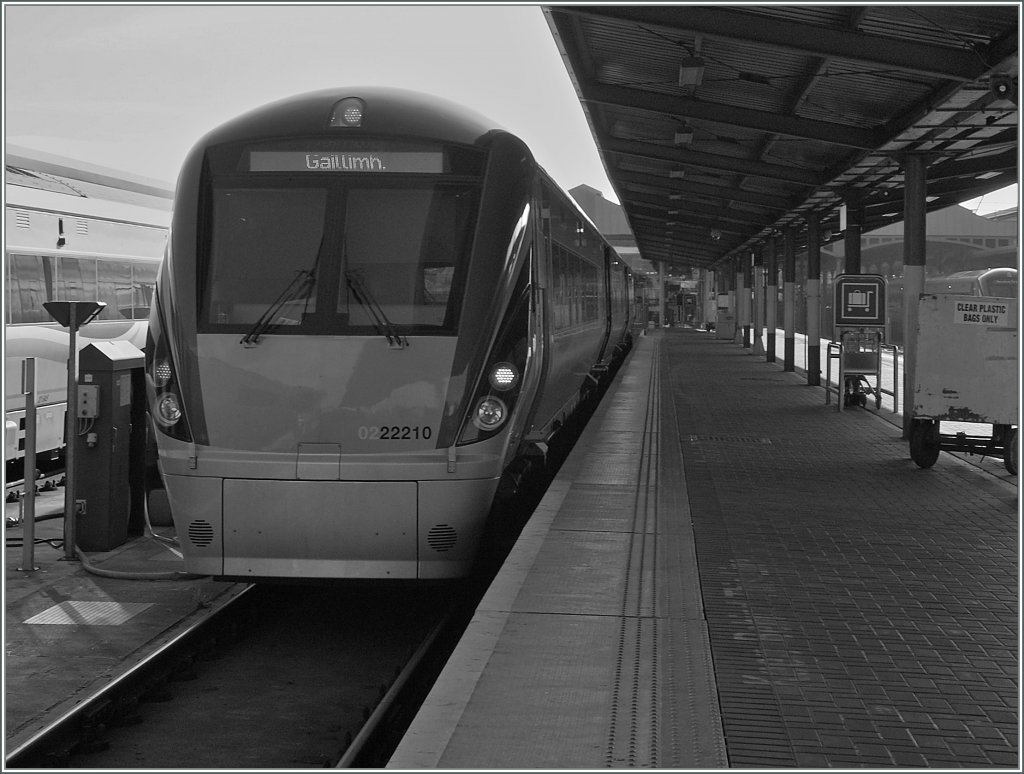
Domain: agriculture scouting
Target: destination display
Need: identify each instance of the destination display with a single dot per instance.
(374, 162)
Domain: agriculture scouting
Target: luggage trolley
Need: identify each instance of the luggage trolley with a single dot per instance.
(966, 373)
(861, 357)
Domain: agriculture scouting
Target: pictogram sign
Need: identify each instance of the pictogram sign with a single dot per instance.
(860, 299)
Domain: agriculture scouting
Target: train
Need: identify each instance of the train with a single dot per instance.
(375, 310)
(69, 239)
(986, 273)
(999, 282)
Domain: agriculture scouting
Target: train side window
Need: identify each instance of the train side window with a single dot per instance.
(114, 282)
(76, 279)
(143, 287)
(30, 285)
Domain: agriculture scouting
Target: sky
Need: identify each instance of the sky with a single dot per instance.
(133, 87)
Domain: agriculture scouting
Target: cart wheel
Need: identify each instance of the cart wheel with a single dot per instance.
(1010, 452)
(924, 447)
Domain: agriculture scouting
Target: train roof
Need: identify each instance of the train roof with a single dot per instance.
(390, 110)
(66, 202)
(82, 176)
(54, 184)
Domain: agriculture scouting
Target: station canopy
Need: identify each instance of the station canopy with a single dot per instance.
(719, 126)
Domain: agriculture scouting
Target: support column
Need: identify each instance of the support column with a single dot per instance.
(771, 297)
(726, 279)
(745, 299)
(758, 285)
(813, 300)
(789, 300)
(914, 240)
(737, 284)
(709, 297)
(661, 294)
(851, 235)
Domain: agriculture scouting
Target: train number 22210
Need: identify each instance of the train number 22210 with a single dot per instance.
(395, 433)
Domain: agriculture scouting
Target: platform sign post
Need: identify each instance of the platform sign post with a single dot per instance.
(72, 315)
(860, 330)
(28, 524)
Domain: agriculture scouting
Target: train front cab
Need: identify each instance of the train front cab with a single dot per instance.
(363, 443)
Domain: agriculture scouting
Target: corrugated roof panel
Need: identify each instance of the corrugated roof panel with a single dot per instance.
(799, 105)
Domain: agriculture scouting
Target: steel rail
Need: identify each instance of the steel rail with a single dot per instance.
(373, 723)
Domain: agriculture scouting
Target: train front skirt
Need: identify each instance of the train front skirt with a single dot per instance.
(257, 528)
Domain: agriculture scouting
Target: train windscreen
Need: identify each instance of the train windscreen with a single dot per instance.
(1001, 283)
(334, 250)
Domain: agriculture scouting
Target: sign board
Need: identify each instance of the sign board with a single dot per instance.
(860, 299)
(967, 359)
(975, 310)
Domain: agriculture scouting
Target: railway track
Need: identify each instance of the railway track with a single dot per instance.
(283, 677)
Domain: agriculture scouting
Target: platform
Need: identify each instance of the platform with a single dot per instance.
(68, 632)
(729, 573)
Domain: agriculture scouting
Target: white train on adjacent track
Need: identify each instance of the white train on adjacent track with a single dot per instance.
(375, 306)
(72, 232)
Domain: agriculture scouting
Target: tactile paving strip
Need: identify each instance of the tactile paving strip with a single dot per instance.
(89, 613)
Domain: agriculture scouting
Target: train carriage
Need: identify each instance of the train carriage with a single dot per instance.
(64, 245)
(374, 305)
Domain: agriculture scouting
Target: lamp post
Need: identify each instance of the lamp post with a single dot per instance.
(72, 315)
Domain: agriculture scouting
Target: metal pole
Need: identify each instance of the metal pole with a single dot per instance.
(772, 298)
(915, 237)
(789, 300)
(758, 283)
(813, 300)
(70, 426)
(28, 524)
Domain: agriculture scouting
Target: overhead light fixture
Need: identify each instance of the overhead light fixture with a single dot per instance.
(684, 135)
(676, 174)
(691, 71)
(1003, 87)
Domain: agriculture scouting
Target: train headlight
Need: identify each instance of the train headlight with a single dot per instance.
(168, 410)
(503, 376)
(490, 413)
(348, 112)
(162, 372)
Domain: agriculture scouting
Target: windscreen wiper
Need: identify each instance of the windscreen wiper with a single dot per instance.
(381, 323)
(305, 280)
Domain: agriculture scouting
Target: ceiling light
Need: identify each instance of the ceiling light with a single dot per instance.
(691, 71)
(676, 174)
(684, 135)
